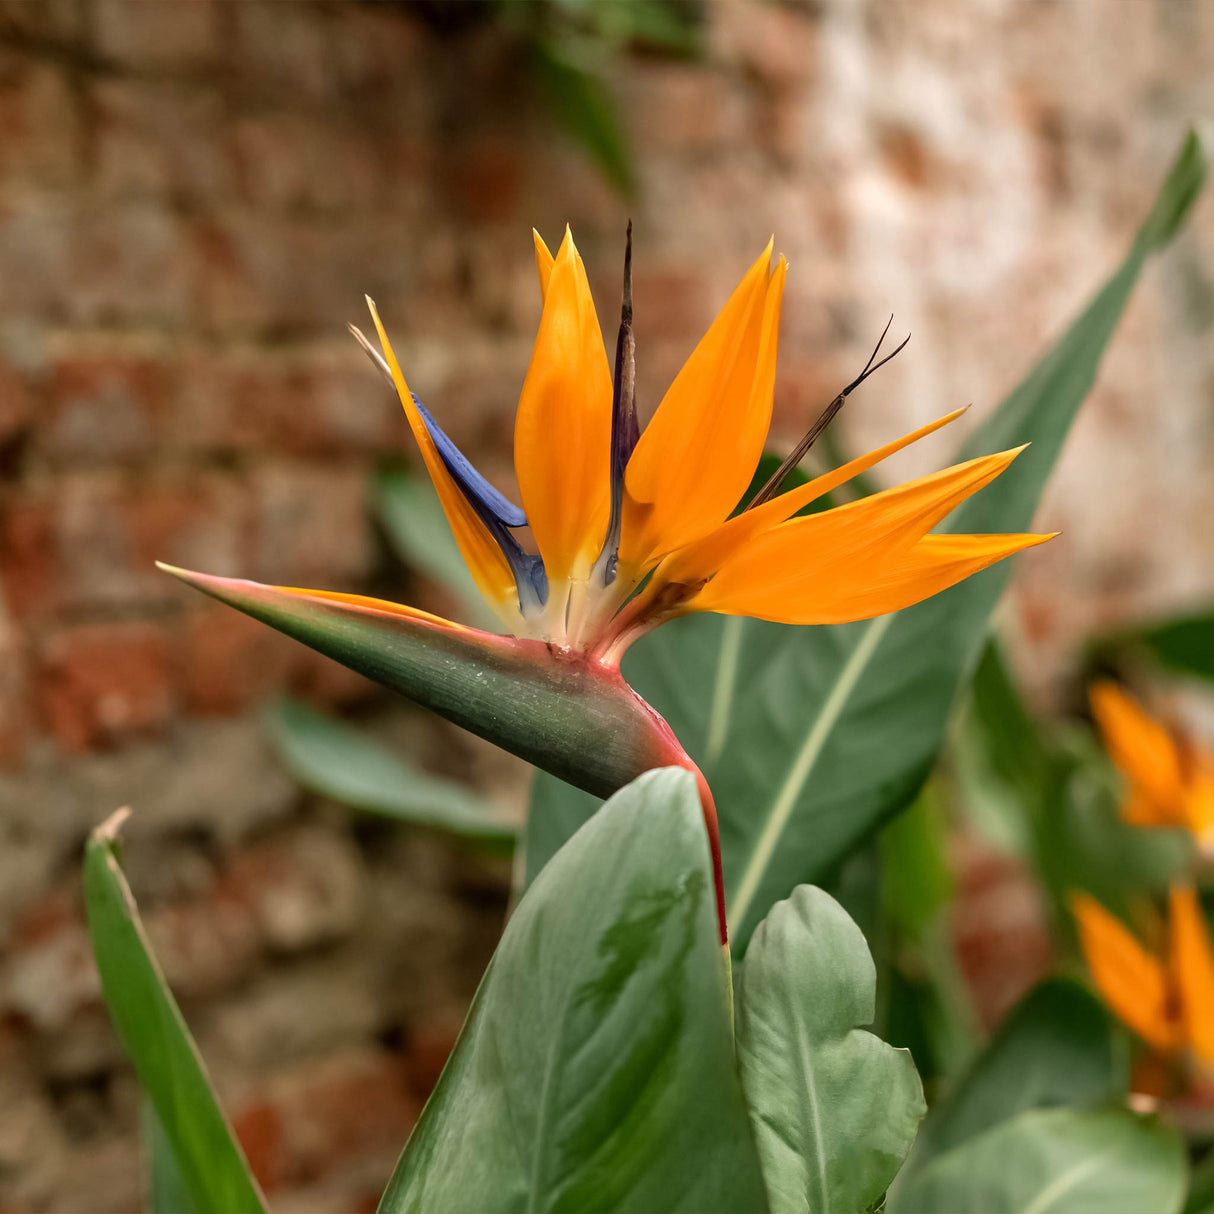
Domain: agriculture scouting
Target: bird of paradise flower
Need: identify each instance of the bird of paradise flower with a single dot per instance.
(632, 528)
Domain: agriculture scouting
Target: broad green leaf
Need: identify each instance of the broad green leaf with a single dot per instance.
(834, 1109)
(572, 717)
(1057, 1048)
(596, 1070)
(1186, 644)
(817, 744)
(839, 730)
(1054, 1162)
(150, 1025)
(342, 763)
(167, 1193)
(415, 523)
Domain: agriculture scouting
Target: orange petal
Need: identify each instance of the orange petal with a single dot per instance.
(484, 558)
(843, 585)
(543, 263)
(1145, 753)
(703, 557)
(698, 453)
(851, 548)
(1129, 979)
(562, 435)
(1192, 962)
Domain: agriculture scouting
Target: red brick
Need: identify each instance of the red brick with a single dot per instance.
(14, 695)
(133, 263)
(205, 944)
(232, 661)
(16, 405)
(287, 162)
(29, 566)
(312, 525)
(353, 1105)
(483, 180)
(104, 405)
(54, 19)
(155, 139)
(149, 33)
(40, 132)
(285, 49)
(100, 683)
(304, 888)
(258, 1128)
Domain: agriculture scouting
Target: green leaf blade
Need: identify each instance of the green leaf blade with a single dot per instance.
(840, 729)
(211, 1163)
(834, 1109)
(1055, 1162)
(595, 1071)
(343, 764)
(1057, 1048)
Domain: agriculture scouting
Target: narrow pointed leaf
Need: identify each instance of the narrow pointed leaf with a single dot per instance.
(840, 729)
(1058, 1048)
(834, 1109)
(150, 1025)
(344, 764)
(167, 1193)
(563, 713)
(596, 1070)
(1054, 1162)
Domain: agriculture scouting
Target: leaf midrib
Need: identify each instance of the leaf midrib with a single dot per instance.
(1061, 1185)
(802, 767)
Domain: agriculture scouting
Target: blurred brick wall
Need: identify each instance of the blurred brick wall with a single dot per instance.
(194, 197)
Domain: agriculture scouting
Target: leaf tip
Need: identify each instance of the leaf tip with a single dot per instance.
(108, 831)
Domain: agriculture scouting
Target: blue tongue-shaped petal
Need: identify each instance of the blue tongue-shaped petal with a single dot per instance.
(496, 511)
(476, 489)
(474, 485)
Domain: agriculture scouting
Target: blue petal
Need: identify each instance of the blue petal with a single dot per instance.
(477, 490)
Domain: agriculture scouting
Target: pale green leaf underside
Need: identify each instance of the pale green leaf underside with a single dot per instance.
(346, 765)
(834, 1109)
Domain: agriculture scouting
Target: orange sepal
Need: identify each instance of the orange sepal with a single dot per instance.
(1145, 753)
(1130, 980)
(480, 551)
(696, 457)
(1192, 963)
(701, 558)
(562, 433)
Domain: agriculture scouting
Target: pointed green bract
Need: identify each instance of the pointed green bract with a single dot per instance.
(342, 763)
(1055, 1162)
(563, 712)
(834, 1109)
(596, 1069)
(212, 1166)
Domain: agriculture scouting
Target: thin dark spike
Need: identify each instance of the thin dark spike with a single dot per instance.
(624, 429)
(774, 482)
